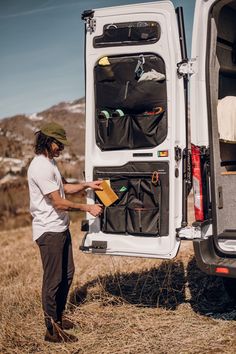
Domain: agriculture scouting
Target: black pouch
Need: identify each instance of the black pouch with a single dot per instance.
(121, 188)
(114, 220)
(114, 133)
(143, 207)
(145, 130)
(143, 221)
(144, 96)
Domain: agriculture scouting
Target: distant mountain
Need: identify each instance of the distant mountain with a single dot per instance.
(16, 152)
(17, 136)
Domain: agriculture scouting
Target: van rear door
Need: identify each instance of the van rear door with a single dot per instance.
(135, 128)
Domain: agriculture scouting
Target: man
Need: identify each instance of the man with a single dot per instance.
(49, 209)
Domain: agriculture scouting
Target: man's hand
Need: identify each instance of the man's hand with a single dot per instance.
(70, 188)
(95, 209)
(94, 185)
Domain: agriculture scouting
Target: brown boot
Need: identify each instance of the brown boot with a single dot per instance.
(57, 335)
(66, 323)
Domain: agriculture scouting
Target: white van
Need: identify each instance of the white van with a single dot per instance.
(137, 76)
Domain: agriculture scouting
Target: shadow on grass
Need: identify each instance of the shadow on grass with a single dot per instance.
(163, 286)
(208, 294)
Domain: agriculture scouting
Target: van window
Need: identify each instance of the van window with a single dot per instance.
(128, 33)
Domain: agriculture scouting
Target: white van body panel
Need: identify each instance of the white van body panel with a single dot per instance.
(198, 94)
(168, 48)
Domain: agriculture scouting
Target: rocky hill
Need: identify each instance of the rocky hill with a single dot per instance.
(16, 152)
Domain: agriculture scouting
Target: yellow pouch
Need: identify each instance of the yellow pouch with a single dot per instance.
(107, 195)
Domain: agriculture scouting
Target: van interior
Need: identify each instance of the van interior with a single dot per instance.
(222, 117)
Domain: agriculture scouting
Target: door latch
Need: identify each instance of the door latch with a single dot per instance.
(178, 153)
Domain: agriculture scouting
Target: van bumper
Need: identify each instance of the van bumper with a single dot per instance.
(211, 261)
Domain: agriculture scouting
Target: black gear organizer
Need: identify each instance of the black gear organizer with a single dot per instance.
(117, 87)
(142, 208)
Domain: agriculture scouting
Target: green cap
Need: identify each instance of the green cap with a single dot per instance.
(55, 131)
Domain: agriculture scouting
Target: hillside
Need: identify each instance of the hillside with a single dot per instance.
(16, 151)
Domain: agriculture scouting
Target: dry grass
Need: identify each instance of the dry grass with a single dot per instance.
(121, 305)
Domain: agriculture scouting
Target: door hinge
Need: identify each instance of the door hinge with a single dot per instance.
(186, 68)
(87, 16)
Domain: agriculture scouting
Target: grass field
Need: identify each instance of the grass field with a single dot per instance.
(120, 305)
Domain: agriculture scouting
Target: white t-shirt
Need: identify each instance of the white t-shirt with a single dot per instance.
(44, 178)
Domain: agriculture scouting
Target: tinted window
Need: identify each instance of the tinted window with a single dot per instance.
(128, 33)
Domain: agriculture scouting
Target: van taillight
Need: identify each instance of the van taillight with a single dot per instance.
(197, 183)
(222, 270)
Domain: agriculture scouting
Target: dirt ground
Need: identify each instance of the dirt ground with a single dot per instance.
(119, 304)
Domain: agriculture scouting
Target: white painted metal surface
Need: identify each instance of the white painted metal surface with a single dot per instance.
(168, 48)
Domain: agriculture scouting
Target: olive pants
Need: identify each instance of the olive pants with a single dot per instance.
(58, 270)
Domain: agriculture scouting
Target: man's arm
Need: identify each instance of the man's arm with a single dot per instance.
(66, 205)
(70, 188)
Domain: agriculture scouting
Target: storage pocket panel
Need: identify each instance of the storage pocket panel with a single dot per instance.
(131, 132)
(114, 219)
(145, 129)
(114, 133)
(143, 221)
(133, 182)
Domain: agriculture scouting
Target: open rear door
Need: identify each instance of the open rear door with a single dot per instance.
(213, 89)
(135, 128)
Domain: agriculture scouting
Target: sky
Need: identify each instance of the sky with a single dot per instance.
(42, 51)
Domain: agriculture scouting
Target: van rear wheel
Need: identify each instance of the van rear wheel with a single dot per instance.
(230, 287)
